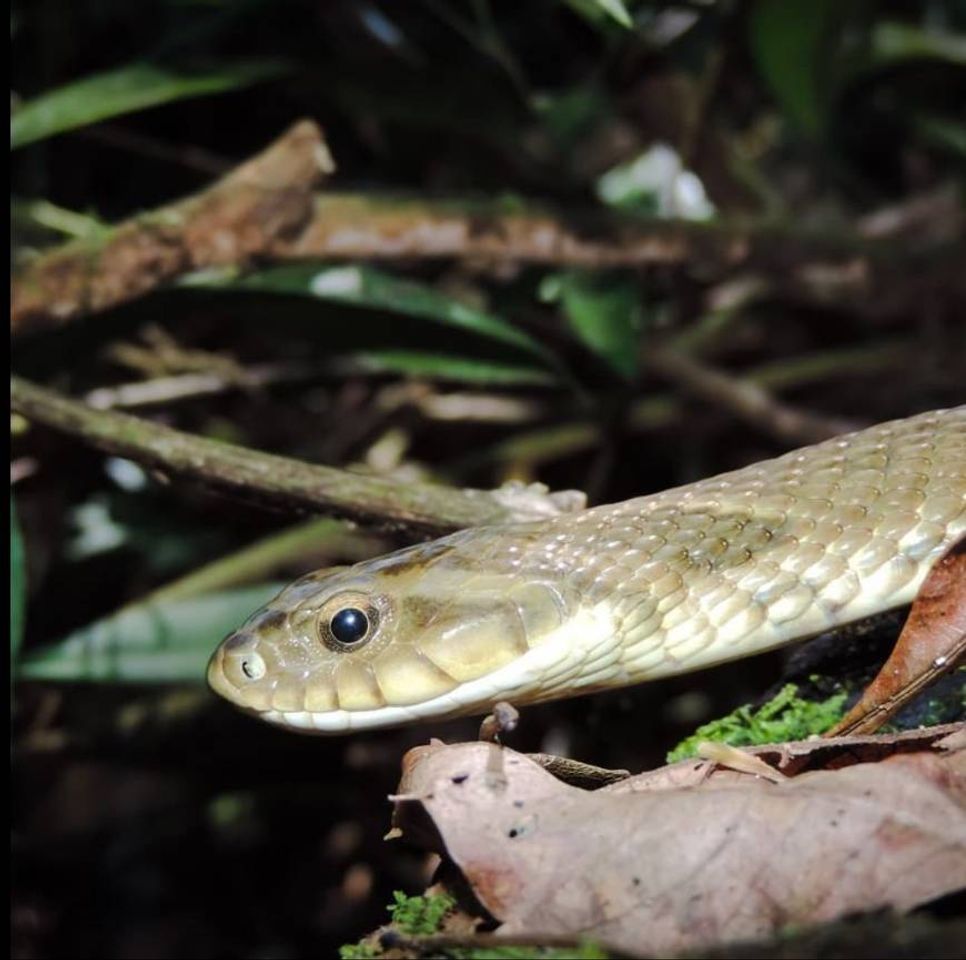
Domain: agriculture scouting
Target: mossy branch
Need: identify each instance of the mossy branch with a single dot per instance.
(268, 479)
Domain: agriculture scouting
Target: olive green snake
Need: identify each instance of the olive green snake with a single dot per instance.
(597, 599)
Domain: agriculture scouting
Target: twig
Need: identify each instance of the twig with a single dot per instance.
(459, 407)
(266, 478)
(186, 386)
(657, 411)
(577, 773)
(353, 226)
(936, 213)
(502, 719)
(436, 945)
(746, 400)
(160, 353)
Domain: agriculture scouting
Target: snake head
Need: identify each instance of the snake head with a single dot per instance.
(427, 631)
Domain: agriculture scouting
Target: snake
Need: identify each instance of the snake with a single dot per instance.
(601, 598)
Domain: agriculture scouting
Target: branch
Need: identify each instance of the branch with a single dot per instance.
(234, 222)
(182, 386)
(279, 481)
(655, 412)
(745, 399)
(358, 226)
(267, 211)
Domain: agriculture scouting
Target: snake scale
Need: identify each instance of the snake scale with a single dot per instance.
(614, 595)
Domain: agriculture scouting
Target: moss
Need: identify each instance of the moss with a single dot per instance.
(786, 717)
(358, 951)
(423, 917)
(419, 916)
(411, 916)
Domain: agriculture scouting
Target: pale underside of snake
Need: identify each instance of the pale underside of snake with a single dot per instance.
(588, 601)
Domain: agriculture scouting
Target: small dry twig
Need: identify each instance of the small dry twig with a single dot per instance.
(747, 400)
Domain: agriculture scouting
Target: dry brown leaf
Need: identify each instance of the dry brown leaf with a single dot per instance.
(932, 641)
(662, 871)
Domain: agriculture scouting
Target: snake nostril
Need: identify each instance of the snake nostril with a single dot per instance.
(253, 666)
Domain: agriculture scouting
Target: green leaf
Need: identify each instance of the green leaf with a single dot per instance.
(437, 366)
(942, 132)
(168, 641)
(597, 11)
(616, 10)
(126, 90)
(788, 41)
(367, 287)
(604, 312)
(44, 215)
(572, 115)
(18, 585)
(893, 42)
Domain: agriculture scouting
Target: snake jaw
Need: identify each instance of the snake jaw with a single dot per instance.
(582, 653)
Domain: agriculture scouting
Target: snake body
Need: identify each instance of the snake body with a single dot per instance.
(658, 585)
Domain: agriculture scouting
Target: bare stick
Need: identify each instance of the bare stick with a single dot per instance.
(269, 479)
(745, 399)
(187, 386)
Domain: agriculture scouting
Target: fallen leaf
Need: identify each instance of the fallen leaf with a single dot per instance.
(659, 871)
(932, 642)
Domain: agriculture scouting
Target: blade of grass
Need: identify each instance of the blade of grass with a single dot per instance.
(436, 366)
(166, 641)
(127, 89)
(18, 585)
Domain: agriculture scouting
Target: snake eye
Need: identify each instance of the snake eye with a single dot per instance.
(349, 626)
(349, 620)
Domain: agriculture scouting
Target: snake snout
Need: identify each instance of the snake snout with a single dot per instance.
(235, 666)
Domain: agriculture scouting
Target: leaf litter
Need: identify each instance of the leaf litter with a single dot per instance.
(696, 853)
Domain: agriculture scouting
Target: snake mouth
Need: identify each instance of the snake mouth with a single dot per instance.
(217, 681)
(581, 654)
(353, 695)
(227, 667)
(476, 696)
